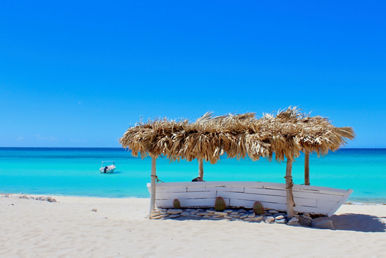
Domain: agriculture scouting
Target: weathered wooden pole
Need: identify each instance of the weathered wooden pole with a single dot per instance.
(153, 179)
(201, 169)
(307, 168)
(288, 185)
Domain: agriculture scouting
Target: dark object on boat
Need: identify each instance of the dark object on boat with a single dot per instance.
(105, 169)
(219, 204)
(176, 204)
(258, 208)
(197, 179)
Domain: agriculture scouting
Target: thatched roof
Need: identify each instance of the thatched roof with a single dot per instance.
(285, 135)
(290, 132)
(208, 138)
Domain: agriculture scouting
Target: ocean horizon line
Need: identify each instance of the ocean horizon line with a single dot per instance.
(90, 148)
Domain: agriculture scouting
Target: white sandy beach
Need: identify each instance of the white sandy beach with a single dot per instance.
(119, 228)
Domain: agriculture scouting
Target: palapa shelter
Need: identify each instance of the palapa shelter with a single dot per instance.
(283, 136)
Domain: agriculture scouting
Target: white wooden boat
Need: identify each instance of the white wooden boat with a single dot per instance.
(311, 199)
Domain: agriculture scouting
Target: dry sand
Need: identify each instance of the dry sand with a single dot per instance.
(69, 228)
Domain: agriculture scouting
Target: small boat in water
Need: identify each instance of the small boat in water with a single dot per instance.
(107, 167)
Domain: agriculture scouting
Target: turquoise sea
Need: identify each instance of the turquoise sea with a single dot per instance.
(74, 171)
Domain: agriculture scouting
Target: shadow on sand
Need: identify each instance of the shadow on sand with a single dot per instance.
(350, 222)
(359, 222)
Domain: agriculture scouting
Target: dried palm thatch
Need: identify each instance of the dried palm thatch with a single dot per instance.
(291, 131)
(208, 138)
(285, 135)
(153, 138)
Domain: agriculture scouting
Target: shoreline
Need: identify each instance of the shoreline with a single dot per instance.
(118, 227)
(348, 202)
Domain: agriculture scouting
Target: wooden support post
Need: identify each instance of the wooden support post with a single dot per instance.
(307, 168)
(153, 179)
(288, 186)
(201, 169)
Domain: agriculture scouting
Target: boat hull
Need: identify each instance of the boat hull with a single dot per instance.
(310, 199)
(107, 172)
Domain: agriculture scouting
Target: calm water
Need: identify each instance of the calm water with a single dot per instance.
(74, 171)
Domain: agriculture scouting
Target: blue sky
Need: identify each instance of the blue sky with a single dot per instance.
(78, 73)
